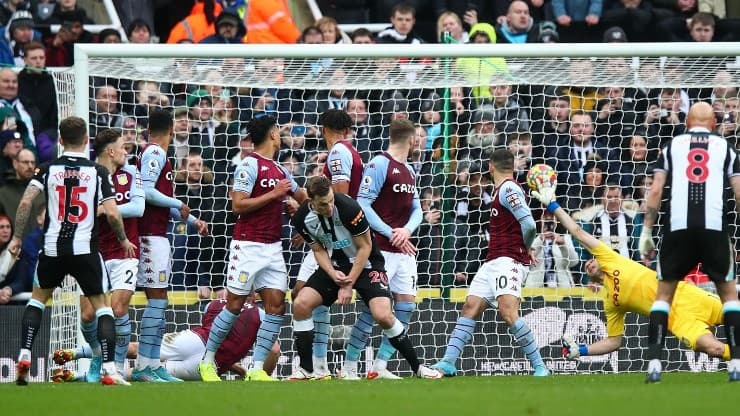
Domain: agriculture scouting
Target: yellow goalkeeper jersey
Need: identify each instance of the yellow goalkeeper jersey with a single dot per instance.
(631, 287)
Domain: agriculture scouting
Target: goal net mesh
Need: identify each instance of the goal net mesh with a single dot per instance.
(598, 121)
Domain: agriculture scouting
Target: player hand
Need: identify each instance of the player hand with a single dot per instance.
(570, 348)
(100, 211)
(339, 278)
(202, 227)
(408, 248)
(399, 237)
(291, 206)
(282, 188)
(184, 212)
(545, 194)
(647, 244)
(14, 247)
(204, 292)
(533, 258)
(344, 296)
(129, 248)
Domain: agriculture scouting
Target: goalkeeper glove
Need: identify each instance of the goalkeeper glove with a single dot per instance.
(646, 241)
(571, 350)
(546, 195)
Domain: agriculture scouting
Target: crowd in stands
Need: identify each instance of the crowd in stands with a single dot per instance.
(601, 140)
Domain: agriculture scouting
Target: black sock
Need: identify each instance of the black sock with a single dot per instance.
(403, 344)
(31, 324)
(656, 334)
(304, 346)
(107, 337)
(732, 332)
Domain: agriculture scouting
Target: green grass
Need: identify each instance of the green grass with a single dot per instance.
(623, 394)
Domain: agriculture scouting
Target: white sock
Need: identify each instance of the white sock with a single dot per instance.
(209, 357)
(319, 362)
(143, 362)
(25, 354)
(97, 351)
(109, 368)
(380, 365)
(655, 365)
(258, 365)
(734, 365)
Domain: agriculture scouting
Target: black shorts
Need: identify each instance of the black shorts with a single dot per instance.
(682, 250)
(371, 284)
(87, 269)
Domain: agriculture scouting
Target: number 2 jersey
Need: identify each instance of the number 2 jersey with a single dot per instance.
(126, 185)
(74, 186)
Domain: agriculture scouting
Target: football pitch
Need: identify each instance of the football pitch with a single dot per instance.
(613, 394)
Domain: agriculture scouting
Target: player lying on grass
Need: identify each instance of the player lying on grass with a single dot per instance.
(631, 287)
(182, 351)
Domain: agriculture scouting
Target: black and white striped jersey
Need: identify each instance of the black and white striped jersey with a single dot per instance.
(74, 186)
(698, 165)
(336, 233)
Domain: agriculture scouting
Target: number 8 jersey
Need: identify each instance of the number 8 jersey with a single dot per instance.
(74, 186)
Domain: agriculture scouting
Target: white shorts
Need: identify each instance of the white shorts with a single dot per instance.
(155, 265)
(501, 276)
(121, 274)
(401, 271)
(256, 266)
(308, 267)
(181, 353)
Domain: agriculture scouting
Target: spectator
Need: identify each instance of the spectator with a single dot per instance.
(612, 225)
(577, 19)
(518, 26)
(346, 11)
(481, 140)
(421, 160)
(571, 160)
(701, 27)
(130, 133)
(715, 7)
(479, 71)
(330, 31)
(520, 145)
(21, 276)
(147, 95)
(630, 19)
(582, 96)
(199, 24)
(666, 120)
(66, 6)
(203, 126)
(429, 238)
(9, 99)
(616, 117)
(182, 140)
(635, 163)
(403, 18)
(472, 211)
(24, 166)
(362, 36)
(14, 36)
(37, 92)
(555, 254)
(10, 144)
(431, 119)
(139, 31)
(727, 120)
(60, 47)
(550, 132)
(509, 116)
(229, 29)
(363, 132)
(246, 146)
(10, 7)
(584, 196)
(450, 22)
(105, 112)
(109, 36)
(270, 21)
(7, 260)
(128, 10)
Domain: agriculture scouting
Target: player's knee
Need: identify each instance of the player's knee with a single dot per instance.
(119, 308)
(302, 308)
(87, 314)
(384, 318)
(509, 315)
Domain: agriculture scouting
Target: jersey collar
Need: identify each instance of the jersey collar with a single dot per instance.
(699, 129)
(74, 154)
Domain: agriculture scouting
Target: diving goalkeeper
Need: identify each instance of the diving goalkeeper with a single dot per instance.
(631, 287)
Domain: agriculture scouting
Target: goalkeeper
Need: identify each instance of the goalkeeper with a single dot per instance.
(631, 287)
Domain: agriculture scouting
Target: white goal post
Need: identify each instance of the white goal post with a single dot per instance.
(451, 91)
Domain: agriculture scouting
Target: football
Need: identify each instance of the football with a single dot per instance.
(541, 174)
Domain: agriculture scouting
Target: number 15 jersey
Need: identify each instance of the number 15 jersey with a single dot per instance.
(74, 186)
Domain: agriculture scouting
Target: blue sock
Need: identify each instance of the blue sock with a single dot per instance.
(320, 331)
(266, 336)
(361, 331)
(90, 333)
(525, 338)
(461, 336)
(403, 311)
(123, 337)
(150, 338)
(219, 330)
(83, 351)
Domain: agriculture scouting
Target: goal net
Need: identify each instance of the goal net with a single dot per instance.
(598, 114)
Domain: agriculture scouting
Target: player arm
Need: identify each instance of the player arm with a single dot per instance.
(513, 199)
(603, 346)
(373, 179)
(177, 216)
(735, 182)
(158, 199)
(24, 207)
(114, 219)
(341, 186)
(243, 203)
(151, 168)
(340, 166)
(417, 215)
(137, 202)
(364, 245)
(585, 239)
(376, 223)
